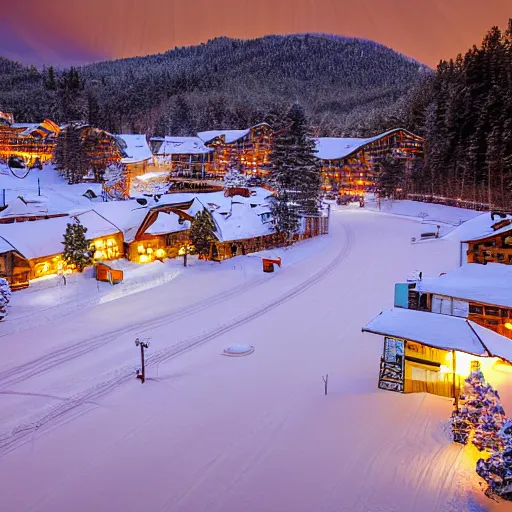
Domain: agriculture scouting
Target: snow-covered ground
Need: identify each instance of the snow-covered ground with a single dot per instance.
(213, 433)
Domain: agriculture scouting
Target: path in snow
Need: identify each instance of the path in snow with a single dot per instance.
(212, 433)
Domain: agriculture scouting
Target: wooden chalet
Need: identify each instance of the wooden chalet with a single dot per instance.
(247, 150)
(183, 157)
(30, 142)
(492, 247)
(163, 233)
(480, 293)
(433, 353)
(37, 246)
(349, 164)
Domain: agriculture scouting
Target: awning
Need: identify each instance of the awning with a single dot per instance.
(441, 331)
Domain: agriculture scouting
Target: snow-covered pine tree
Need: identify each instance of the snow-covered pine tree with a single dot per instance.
(3, 307)
(5, 290)
(76, 247)
(202, 233)
(295, 171)
(234, 179)
(389, 175)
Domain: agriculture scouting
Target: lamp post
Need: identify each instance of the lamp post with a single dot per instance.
(141, 374)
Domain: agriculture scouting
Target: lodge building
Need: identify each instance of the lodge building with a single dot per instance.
(349, 164)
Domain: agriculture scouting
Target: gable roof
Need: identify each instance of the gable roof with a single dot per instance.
(39, 238)
(489, 236)
(229, 135)
(182, 146)
(336, 148)
(135, 148)
(440, 331)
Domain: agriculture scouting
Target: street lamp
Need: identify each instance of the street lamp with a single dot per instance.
(141, 374)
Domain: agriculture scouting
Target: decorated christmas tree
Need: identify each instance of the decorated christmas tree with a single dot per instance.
(497, 469)
(481, 413)
(3, 307)
(76, 247)
(5, 290)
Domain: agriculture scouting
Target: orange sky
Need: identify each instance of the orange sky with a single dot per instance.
(64, 31)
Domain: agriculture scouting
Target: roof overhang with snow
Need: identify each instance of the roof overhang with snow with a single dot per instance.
(486, 284)
(334, 148)
(440, 331)
(489, 236)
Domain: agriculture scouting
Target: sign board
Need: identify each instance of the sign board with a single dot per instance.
(391, 375)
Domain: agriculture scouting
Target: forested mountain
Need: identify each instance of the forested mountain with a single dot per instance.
(464, 111)
(347, 86)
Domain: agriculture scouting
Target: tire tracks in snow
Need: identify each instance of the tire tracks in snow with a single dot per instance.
(69, 409)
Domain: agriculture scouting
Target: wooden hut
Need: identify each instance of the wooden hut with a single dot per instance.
(13, 266)
(433, 353)
(480, 293)
(349, 164)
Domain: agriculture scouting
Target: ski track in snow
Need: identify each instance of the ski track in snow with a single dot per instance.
(19, 435)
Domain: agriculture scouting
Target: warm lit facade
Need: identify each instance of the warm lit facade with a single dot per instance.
(182, 157)
(32, 143)
(494, 247)
(349, 164)
(246, 150)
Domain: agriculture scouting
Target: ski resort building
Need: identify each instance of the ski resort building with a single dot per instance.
(183, 156)
(433, 353)
(349, 164)
(247, 150)
(32, 143)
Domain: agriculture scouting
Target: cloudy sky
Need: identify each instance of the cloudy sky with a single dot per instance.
(64, 32)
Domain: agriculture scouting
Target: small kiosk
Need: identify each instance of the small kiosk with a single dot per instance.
(432, 353)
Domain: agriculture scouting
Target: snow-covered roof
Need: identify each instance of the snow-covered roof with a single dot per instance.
(475, 229)
(182, 146)
(440, 331)
(35, 239)
(243, 222)
(135, 147)
(229, 135)
(167, 223)
(491, 234)
(5, 246)
(335, 148)
(19, 208)
(488, 284)
(127, 216)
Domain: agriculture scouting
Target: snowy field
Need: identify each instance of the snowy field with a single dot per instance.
(212, 433)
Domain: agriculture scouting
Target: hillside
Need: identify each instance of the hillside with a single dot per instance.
(224, 83)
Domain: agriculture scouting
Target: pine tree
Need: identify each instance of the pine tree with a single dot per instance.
(295, 172)
(76, 247)
(202, 233)
(389, 176)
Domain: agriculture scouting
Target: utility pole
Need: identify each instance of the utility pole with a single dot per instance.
(141, 374)
(185, 255)
(38, 186)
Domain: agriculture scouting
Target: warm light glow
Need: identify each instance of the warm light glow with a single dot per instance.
(141, 249)
(143, 258)
(160, 253)
(508, 326)
(149, 250)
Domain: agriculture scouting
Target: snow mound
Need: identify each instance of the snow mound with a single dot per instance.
(238, 350)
